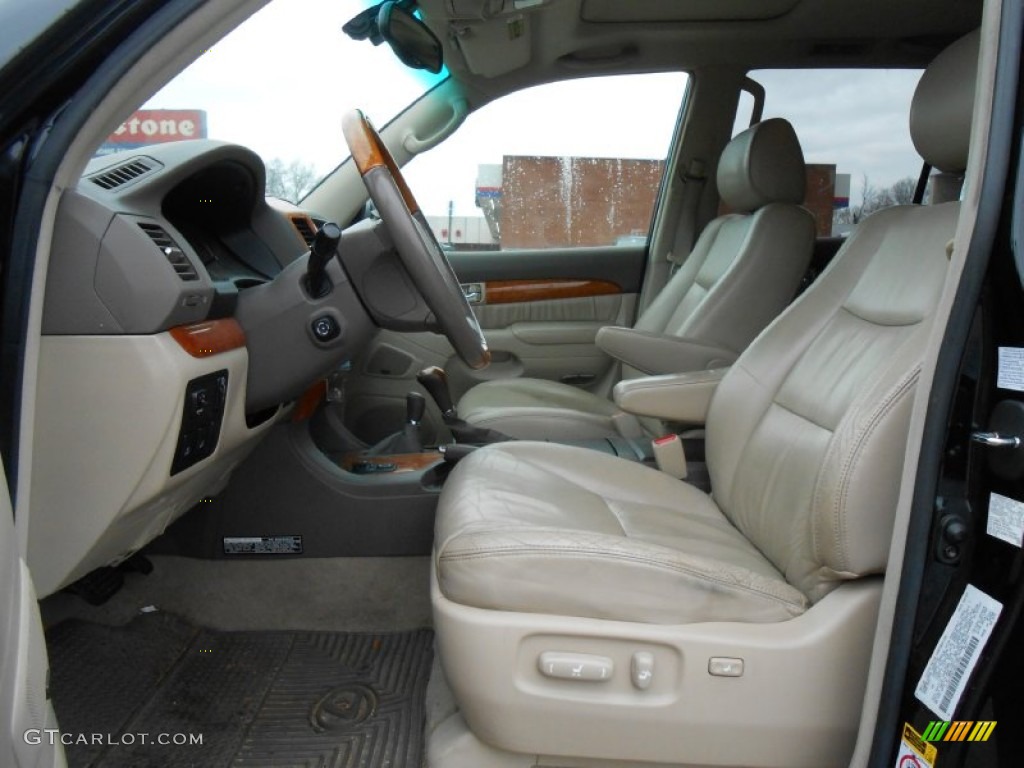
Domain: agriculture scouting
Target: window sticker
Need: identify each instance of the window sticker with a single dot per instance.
(957, 652)
(1011, 369)
(1005, 519)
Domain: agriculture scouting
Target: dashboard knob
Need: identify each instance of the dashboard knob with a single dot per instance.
(325, 328)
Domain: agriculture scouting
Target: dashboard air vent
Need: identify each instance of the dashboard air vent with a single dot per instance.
(306, 229)
(177, 258)
(122, 174)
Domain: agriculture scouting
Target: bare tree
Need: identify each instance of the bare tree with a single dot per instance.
(290, 182)
(876, 198)
(903, 191)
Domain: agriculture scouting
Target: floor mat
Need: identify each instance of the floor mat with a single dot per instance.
(144, 694)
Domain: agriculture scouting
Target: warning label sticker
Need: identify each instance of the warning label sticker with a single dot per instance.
(1011, 369)
(908, 758)
(1005, 519)
(956, 654)
(915, 752)
(262, 545)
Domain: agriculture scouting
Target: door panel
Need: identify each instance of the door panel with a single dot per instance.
(540, 311)
(25, 708)
(621, 265)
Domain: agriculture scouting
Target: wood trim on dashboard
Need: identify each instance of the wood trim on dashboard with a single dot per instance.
(514, 291)
(306, 219)
(404, 462)
(209, 338)
(310, 400)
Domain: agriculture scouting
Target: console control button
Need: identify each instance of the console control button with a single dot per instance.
(201, 418)
(575, 666)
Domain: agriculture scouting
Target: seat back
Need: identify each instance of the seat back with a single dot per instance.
(746, 265)
(807, 432)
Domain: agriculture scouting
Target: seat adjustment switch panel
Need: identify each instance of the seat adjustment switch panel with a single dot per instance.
(201, 420)
(641, 670)
(722, 666)
(575, 666)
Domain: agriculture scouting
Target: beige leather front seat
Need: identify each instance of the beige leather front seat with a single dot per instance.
(591, 607)
(743, 271)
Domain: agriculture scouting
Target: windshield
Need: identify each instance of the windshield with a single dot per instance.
(279, 85)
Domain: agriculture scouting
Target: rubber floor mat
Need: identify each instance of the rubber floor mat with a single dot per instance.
(158, 692)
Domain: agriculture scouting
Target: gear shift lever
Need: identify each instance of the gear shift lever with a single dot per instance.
(408, 440)
(435, 381)
(415, 405)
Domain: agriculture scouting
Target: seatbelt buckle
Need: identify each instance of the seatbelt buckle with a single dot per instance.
(670, 456)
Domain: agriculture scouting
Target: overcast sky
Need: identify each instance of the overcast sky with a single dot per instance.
(256, 93)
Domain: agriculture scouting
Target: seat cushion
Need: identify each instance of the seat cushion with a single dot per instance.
(555, 529)
(537, 409)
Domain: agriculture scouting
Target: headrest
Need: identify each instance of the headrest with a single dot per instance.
(762, 165)
(940, 116)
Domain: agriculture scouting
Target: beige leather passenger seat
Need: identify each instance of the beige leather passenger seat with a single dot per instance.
(592, 607)
(744, 269)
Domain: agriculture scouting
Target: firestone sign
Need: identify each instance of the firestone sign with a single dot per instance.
(156, 126)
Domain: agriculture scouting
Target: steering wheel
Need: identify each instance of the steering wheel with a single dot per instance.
(417, 247)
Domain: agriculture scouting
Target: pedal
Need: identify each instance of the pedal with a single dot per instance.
(98, 586)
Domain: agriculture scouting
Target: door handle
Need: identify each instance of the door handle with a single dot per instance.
(474, 292)
(995, 440)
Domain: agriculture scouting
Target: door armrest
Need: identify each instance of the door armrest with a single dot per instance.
(657, 353)
(679, 397)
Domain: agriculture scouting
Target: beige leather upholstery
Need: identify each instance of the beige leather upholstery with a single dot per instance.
(547, 528)
(658, 353)
(805, 445)
(742, 272)
(762, 165)
(538, 409)
(939, 131)
(684, 398)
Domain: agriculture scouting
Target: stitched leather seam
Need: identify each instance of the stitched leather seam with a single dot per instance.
(854, 457)
(561, 552)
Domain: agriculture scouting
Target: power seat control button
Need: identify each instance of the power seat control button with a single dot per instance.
(575, 666)
(721, 666)
(326, 328)
(641, 670)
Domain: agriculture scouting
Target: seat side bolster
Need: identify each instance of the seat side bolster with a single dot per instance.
(853, 517)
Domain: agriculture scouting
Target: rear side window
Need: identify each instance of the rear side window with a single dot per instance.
(853, 126)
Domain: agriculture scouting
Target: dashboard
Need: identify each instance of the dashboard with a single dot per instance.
(172, 234)
(177, 330)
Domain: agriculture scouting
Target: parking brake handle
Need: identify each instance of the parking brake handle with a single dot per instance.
(325, 245)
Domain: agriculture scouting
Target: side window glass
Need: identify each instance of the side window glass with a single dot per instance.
(563, 165)
(852, 125)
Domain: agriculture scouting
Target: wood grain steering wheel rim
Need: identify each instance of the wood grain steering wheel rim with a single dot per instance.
(421, 254)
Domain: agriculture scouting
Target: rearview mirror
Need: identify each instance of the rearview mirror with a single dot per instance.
(411, 40)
